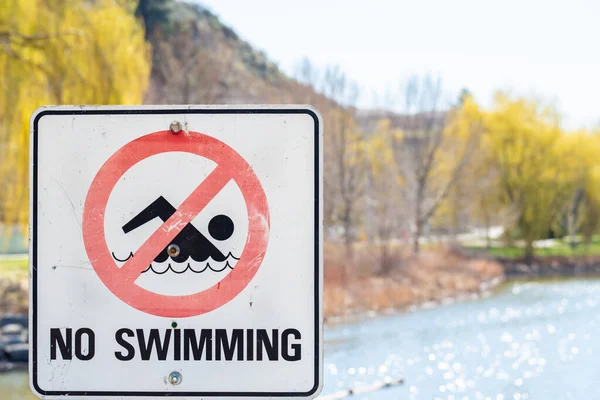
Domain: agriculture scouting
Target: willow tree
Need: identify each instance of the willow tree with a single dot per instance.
(589, 215)
(582, 211)
(537, 164)
(61, 52)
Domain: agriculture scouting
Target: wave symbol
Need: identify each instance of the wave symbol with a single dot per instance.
(189, 268)
(207, 266)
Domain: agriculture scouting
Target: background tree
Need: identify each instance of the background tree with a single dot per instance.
(155, 14)
(61, 52)
(433, 151)
(590, 209)
(384, 184)
(344, 148)
(584, 148)
(528, 149)
(187, 69)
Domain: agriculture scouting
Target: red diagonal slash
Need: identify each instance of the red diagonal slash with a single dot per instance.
(187, 211)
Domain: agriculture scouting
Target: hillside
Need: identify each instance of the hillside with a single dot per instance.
(197, 59)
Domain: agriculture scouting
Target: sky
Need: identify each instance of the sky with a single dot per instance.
(543, 48)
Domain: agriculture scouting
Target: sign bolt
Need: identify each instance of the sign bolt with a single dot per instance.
(176, 127)
(173, 250)
(175, 378)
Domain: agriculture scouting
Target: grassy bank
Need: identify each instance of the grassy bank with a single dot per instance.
(355, 284)
(549, 248)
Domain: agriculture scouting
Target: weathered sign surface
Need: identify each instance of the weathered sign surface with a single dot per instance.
(176, 251)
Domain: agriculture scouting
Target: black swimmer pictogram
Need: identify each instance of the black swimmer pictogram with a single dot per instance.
(190, 243)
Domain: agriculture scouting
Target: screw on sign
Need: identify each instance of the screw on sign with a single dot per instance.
(230, 166)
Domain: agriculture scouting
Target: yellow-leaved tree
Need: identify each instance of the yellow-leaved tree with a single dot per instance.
(535, 164)
(579, 152)
(61, 52)
(456, 163)
(383, 185)
(589, 216)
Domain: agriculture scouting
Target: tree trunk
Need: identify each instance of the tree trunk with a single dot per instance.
(488, 238)
(185, 90)
(348, 237)
(384, 267)
(417, 236)
(418, 221)
(455, 221)
(571, 224)
(529, 252)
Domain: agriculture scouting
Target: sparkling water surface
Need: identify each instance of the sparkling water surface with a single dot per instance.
(531, 340)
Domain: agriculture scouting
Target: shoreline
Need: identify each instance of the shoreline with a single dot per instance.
(490, 291)
(512, 270)
(423, 281)
(552, 266)
(488, 288)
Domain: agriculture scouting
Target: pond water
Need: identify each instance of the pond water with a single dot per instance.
(531, 340)
(535, 340)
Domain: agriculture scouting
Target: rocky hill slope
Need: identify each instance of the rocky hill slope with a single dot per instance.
(197, 59)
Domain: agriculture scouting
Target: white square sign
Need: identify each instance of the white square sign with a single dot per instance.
(176, 251)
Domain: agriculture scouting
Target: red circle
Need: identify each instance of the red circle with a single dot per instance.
(187, 305)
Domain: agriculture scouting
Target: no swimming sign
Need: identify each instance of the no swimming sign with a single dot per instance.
(176, 251)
